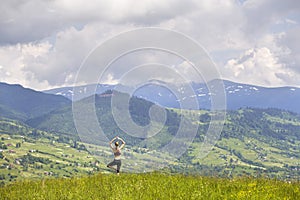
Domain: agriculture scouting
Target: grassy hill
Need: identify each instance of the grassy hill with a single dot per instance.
(62, 121)
(21, 103)
(151, 186)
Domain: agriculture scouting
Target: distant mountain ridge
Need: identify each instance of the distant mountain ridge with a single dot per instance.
(238, 95)
(17, 102)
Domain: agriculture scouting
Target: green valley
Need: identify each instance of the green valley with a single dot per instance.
(254, 142)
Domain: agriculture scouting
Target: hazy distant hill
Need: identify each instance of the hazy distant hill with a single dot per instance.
(238, 95)
(61, 120)
(21, 103)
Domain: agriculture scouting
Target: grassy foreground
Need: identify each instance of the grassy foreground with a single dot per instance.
(151, 186)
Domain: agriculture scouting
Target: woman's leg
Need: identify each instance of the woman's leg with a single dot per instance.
(111, 164)
(118, 162)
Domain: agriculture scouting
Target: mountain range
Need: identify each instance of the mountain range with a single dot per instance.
(238, 95)
(264, 140)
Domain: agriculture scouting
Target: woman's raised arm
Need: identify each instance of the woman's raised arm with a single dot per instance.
(123, 142)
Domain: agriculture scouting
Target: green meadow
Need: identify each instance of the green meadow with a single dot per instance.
(151, 186)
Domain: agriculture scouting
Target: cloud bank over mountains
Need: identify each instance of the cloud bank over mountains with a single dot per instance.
(43, 43)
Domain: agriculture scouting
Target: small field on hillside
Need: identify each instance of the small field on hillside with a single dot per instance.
(151, 186)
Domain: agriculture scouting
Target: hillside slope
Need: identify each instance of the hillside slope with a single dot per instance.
(263, 141)
(20, 103)
(28, 153)
(62, 121)
(252, 140)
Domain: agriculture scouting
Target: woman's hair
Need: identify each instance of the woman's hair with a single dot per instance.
(117, 144)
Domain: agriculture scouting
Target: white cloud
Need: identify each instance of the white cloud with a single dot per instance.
(14, 60)
(290, 43)
(44, 42)
(259, 66)
(26, 21)
(110, 79)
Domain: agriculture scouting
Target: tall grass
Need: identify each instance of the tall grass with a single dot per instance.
(151, 186)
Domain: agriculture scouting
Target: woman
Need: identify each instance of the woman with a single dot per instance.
(117, 153)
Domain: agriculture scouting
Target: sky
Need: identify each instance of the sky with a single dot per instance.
(44, 42)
